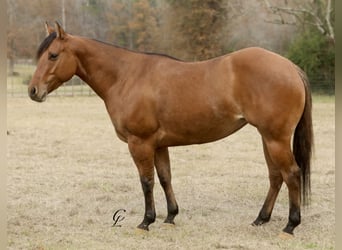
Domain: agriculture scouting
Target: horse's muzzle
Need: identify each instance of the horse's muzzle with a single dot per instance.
(35, 96)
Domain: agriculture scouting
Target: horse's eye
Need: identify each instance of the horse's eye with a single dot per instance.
(53, 56)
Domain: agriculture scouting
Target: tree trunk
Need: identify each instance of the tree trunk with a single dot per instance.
(10, 69)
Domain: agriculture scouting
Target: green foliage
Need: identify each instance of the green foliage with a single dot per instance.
(315, 54)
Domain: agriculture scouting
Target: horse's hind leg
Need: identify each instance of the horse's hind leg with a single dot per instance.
(162, 163)
(283, 159)
(276, 181)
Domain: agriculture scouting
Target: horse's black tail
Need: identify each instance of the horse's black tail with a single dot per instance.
(303, 141)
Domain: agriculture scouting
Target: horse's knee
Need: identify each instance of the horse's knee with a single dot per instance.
(147, 184)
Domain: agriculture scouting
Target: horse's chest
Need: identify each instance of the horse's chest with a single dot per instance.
(139, 121)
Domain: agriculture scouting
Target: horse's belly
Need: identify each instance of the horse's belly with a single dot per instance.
(198, 132)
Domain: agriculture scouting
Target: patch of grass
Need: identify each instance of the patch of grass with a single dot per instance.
(17, 84)
(219, 187)
(323, 98)
(311, 246)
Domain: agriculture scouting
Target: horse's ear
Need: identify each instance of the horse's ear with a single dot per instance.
(48, 29)
(60, 32)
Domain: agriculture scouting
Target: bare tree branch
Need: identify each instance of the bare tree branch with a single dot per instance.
(323, 24)
(327, 19)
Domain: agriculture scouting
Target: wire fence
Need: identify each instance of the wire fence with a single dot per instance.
(22, 73)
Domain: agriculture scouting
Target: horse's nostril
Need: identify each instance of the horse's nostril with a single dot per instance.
(33, 91)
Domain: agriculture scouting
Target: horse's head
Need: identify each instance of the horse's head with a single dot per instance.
(56, 64)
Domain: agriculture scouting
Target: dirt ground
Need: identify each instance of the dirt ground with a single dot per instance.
(68, 173)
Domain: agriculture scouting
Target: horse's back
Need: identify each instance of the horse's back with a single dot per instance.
(206, 101)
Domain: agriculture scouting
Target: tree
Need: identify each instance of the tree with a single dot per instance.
(143, 25)
(199, 24)
(314, 47)
(133, 24)
(94, 22)
(319, 14)
(315, 54)
(25, 31)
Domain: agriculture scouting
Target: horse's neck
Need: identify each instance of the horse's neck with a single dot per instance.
(101, 65)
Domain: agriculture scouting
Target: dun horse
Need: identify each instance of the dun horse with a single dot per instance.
(155, 102)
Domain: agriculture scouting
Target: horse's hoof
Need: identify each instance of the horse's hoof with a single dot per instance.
(143, 226)
(169, 221)
(260, 221)
(285, 236)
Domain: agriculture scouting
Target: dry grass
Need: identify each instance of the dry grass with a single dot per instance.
(68, 173)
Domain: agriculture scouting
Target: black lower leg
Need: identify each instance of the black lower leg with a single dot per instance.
(149, 218)
(294, 219)
(293, 183)
(262, 218)
(150, 214)
(172, 211)
(162, 163)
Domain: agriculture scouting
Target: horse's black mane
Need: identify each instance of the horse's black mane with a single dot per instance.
(161, 54)
(141, 52)
(49, 39)
(45, 44)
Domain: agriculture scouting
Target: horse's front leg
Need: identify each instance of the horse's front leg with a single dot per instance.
(143, 155)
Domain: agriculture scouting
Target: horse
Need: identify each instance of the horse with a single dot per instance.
(156, 101)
